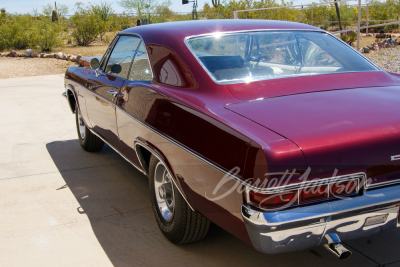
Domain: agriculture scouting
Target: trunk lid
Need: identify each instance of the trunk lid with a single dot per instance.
(351, 130)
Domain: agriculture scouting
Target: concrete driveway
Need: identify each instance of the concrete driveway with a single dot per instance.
(62, 206)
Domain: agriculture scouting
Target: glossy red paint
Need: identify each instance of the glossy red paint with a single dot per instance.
(202, 129)
(340, 128)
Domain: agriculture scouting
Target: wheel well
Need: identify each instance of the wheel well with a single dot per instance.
(71, 100)
(144, 157)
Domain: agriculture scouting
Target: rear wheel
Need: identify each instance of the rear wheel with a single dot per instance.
(176, 220)
(87, 139)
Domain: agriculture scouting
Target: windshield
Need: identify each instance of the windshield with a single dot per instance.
(246, 56)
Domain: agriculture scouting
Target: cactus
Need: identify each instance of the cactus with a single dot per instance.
(54, 13)
(3, 13)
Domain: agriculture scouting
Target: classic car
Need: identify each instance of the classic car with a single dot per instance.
(277, 132)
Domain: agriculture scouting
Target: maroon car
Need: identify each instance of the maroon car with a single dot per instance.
(277, 132)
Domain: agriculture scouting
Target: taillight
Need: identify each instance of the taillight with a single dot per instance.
(345, 188)
(274, 200)
(313, 193)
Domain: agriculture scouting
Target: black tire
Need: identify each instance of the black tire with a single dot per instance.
(89, 142)
(186, 225)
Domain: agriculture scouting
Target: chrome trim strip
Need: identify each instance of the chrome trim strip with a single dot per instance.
(395, 157)
(382, 184)
(133, 164)
(166, 166)
(187, 38)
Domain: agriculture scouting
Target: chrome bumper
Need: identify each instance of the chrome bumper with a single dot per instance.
(304, 227)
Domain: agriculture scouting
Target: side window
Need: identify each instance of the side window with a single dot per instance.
(104, 59)
(122, 55)
(140, 67)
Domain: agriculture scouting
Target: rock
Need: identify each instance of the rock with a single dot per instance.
(42, 55)
(28, 52)
(12, 53)
(78, 57)
(376, 47)
(69, 57)
(366, 49)
(368, 34)
(396, 41)
(46, 56)
(73, 58)
(1, 55)
(59, 55)
(35, 54)
(64, 57)
(361, 50)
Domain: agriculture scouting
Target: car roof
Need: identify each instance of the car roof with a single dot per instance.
(181, 29)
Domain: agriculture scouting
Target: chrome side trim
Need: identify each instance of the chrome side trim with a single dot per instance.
(187, 38)
(169, 171)
(133, 164)
(382, 184)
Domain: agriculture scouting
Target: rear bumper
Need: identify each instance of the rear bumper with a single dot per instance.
(304, 227)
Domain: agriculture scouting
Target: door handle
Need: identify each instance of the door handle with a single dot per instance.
(114, 93)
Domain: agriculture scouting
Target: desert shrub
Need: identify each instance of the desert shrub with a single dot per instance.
(16, 32)
(48, 35)
(88, 26)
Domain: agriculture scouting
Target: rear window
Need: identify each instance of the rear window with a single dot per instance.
(247, 56)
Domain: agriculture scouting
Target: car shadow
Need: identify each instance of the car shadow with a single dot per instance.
(115, 198)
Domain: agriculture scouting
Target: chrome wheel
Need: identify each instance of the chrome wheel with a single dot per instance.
(164, 191)
(81, 125)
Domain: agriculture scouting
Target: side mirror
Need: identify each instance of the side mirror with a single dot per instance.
(95, 63)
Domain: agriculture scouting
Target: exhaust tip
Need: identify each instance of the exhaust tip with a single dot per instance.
(338, 250)
(345, 255)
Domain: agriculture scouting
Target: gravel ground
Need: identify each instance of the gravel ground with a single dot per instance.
(24, 67)
(387, 59)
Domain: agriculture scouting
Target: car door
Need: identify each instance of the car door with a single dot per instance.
(104, 86)
(134, 101)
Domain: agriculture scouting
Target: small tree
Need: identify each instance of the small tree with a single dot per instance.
(88, 26)
(61, 9)
(48, 35)
(145, 7)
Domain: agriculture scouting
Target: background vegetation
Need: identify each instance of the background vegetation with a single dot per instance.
(87, 24)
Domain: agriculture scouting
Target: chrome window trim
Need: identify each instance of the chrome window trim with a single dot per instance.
(148, 59)
(187, 38)
(110, 48)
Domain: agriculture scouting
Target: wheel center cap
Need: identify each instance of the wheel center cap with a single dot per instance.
(162, 192)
